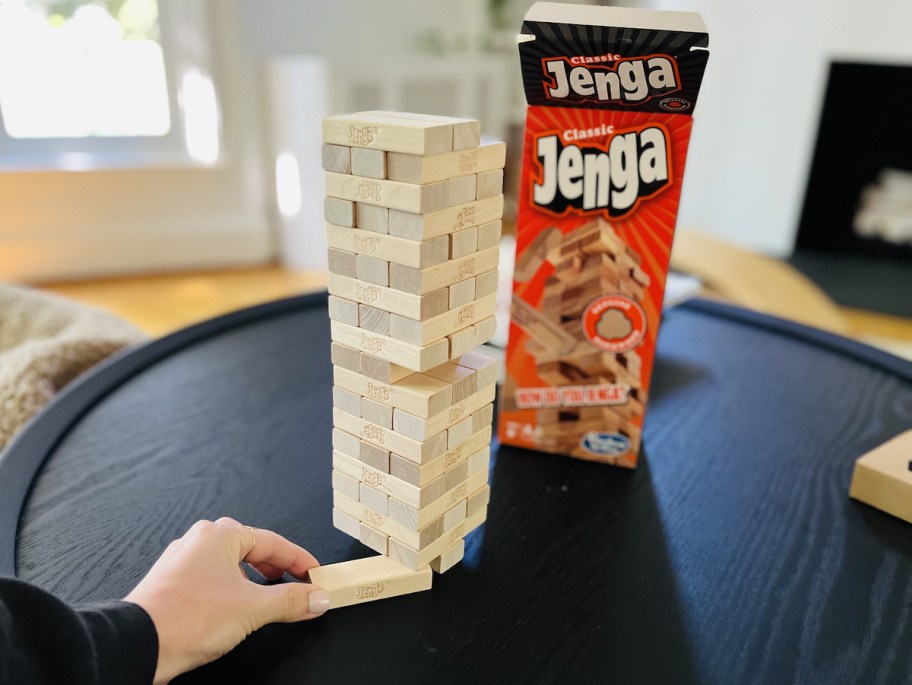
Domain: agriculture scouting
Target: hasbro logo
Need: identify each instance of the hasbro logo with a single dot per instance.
(606, 444)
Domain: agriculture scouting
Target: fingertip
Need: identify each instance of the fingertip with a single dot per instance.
(318, 601)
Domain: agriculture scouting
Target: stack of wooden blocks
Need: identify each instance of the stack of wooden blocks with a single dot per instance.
(413, 213)
(587, 260)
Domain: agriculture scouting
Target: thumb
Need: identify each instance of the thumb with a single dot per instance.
(292, 602)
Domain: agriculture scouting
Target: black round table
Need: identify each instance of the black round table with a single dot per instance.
(733, 554)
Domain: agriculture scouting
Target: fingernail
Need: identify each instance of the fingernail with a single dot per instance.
(319, 601)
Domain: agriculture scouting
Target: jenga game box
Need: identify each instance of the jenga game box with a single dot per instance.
(610, 93)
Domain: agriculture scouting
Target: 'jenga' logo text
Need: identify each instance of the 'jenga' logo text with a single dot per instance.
(369, 344)
(458, 494)
(466, 268)
(372, 518)
(380, 393)
(366, 245)
(361, 135)
(372, 478)
(456, 534)
(452, 457)
(466, 314)
(629, 81)
(466, 217)
(370, 591)
(456, 412)
(468, 161)
(370, 190)
(612, 177)
(371, 432)
(366, 294)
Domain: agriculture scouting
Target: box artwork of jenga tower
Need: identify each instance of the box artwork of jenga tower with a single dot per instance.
(413, 211)
(610, 96)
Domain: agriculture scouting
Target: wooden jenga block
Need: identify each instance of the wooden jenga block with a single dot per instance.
(374, 456)
(423, 281)
(418, 451)
(389, 248)
(371, 218)
(337, 158)
(461, 293)
(346, 523)
(342, 263)
(463, 379)
(421, 428)
(372, 270)
(419, 307)
(405, 197)
(883, 477)
(417, 394)
(482, 417)
(373, 319)
(346, 357)
(535, 254)
(348, 486)
(484, 331)
(487, 368)
(541, 329)
(459, 432)
(489, 234)
(385, 133)
(417, 517)
(449, 558)
(437, 328)
(339, 212)
(417, 539)
(466, 132)
(410, 356)
(422, 474)
(486, 284)
(368, 162)
(374, 539)
(461, 190)
(454, 516)
(431, 168)
(376, 412)
(382, 370)
(489, 184)
(387, 484)
(348, 402)
(346, 443)
(423, 226)
(478, 500)
(343, 310)
(367, 580)
(463, 242)
(414, 559)
(462, 341)
(372, 498)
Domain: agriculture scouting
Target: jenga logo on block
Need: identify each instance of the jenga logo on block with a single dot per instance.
(456, 412)
(366, 294)
(372, 518)
(466, 217)
(467, 268)
(452, 457)
(361, 135)
(371, 432)
(457, 534)
(371, 344)
(366, 246)
(466, 314)
(371, 478)
(468, 161)
(370, 190)
(370, 591)
(458, 494)
(380, 393)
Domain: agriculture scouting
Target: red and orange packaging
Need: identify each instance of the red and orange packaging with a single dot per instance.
(610, 95)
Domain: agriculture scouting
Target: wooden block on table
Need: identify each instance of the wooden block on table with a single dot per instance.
(382, 370)
(535, 254)
(417, 394)
(883, 477)
(373, 319)
(374, 456)
(466, 132)
(372, 270)
(337, 158)
(339, 212)
(489, 234)
(419, 307)
(372, 218)
(437, 328)
(417, 517)
(461, 190)
(463, 242)
(343, 310)
(374, 539)
(484, 331)
(544, 331)
(414, 559)
(389, 248)
(423, 226)
(431, 168)
(400, 353)
(346, 523)
(463, 379)
(462, 341)
(346, 443)
(478, 500)
(449, 558)
(419, 451)
(348, 402)
(345, 357)
(423, 281)
(342, 263)
(376, 412)
(422, 428)
(487, 368)
(489, 184)
(368, 162)
(367, 580)
(461, 293)
(422, 474)
(382, 132)
(372, 498)
(405, 197)
(348, 486)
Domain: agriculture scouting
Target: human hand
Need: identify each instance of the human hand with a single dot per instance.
(202, 603)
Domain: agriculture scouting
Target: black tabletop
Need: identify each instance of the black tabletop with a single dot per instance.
(733, 554)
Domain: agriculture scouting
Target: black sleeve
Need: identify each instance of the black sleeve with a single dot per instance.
(43, 640)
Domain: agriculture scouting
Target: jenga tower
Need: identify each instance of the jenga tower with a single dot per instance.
(413, 209)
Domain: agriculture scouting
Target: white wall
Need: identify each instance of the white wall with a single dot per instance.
(758, 112)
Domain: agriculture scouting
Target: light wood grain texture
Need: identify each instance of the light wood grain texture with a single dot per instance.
(478, 500)
(357, 511)
(458, 433)
(339, 212)
(462, 293)
(484, 331)
(419, 451)
(422, 428)
(466, 132)
(372, 498)
(461, 190)
(414, 559)
(400, 490)
(348, 486)
(463, 242)
(376, 412)
(544, 331)
(346, 443)
(417, 517)
(485, 284)
(487, 368)
(367, 580)
(345, 357)
(418, 254)
(431, 168)
(462, 341)
(489, 234)
(382, 370)
(373, 319)
(371, 270)
(371, 218)
(374, 456)
(422, 474)
(417, 393)
(438, 327)
(463, 379)
(449, 558)
(403, 354)
(883, 477)
(347, 401)
(482, 417)
(346, 523)
(419, 307)
(454, 515)
(423, 281)
(423, 226)
(379, 131)
(342, 263)
(343, 310)
(489, 184)
(368, 162)
(337, 158)
(373, 538)
(405, 197)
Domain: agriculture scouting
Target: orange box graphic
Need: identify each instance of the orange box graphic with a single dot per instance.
(610, 93)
